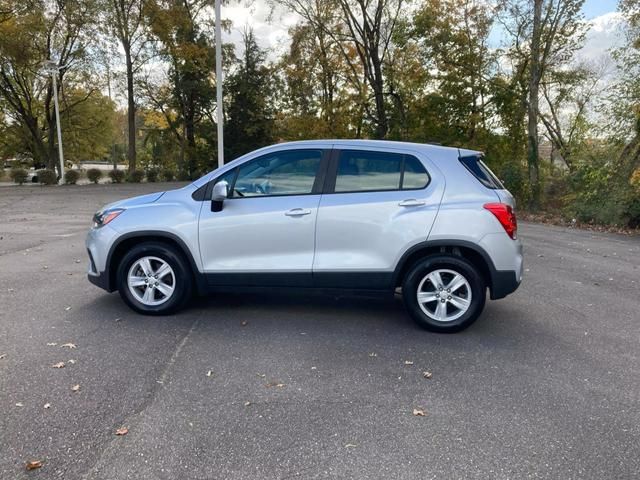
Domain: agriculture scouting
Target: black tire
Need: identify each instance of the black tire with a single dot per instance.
(182, 284)
(457, 264)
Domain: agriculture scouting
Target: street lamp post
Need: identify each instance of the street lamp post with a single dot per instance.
(219, 85)
(52, 68)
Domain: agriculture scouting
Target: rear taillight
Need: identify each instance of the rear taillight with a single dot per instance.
(506, 216)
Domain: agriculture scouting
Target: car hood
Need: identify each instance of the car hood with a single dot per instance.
(135, 201)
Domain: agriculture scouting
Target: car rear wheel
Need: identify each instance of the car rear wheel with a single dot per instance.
(154, 279)
(444, 293)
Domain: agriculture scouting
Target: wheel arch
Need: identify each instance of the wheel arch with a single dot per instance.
(468, 250)
(129, 240)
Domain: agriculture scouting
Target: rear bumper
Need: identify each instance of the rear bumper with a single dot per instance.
(507, 258)
(504, 282)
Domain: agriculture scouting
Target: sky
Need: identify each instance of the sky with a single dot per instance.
(272, 35)
(595, 8)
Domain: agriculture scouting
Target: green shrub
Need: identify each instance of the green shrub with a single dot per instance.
(94, 175)
(136, 176)
(167, 174)
(152, 175)
(116, 176)
(18, 175)
(47, 177)
(71, 177)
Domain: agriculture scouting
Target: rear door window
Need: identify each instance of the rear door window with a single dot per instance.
(367, 171)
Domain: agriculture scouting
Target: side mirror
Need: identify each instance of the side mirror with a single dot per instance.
(218, 195)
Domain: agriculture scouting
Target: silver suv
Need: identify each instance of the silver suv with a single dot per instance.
(366, 216)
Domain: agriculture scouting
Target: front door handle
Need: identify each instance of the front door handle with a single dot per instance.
(412, 202)
(297, 212)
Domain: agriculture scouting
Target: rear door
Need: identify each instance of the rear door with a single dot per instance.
(377, 204)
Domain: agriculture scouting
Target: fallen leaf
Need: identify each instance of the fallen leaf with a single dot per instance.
(77, 260)
(72, 361)
(210, 373)
(58, 365)
(408, 362)
(67, 309)
(33, 464)
(427, 374)
(47, 405)
(418, 412)
(350, 445)
(122, 431)
(19, 404)
(69, 345)
(275, 384)
(75, 388)
(246, 404)
(244, 323)
(52, 344)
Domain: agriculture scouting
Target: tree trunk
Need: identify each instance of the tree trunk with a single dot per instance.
(533, 108)
(131, 111)
(190, 134)
(382, 126)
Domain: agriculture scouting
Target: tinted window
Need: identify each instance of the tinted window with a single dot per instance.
(291, 172)
(415, 176)
(360, 171)
(479, 170)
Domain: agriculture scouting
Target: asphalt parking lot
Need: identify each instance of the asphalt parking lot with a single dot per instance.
(545, 385)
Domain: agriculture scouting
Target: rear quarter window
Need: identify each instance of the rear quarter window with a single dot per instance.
(483, 174)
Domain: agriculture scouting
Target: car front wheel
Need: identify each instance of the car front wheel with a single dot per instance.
(154, 279)
(444, 293)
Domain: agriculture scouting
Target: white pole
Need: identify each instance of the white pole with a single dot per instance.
(54, 74)
(219, 85)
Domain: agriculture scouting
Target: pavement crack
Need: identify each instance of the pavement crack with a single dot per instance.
(113, 444)
(176, 353)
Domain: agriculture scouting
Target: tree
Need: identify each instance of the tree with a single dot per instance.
(188, 48)
(626, 97)
(37, 31)
(545, 35)
(250, 121)
(567, 95)
(316, 99)
(453, 40)
(125, 18)
(363, 33)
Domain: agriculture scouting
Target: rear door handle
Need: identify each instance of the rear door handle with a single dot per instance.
(297, 212)
(412, 202)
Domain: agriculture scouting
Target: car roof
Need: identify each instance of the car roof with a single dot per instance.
(426, 147)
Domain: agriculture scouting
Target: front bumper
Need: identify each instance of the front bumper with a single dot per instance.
(98, 243)
(100, 280)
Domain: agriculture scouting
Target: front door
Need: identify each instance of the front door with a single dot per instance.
(265, 232)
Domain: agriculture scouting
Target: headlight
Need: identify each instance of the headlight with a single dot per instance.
(101, 219)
